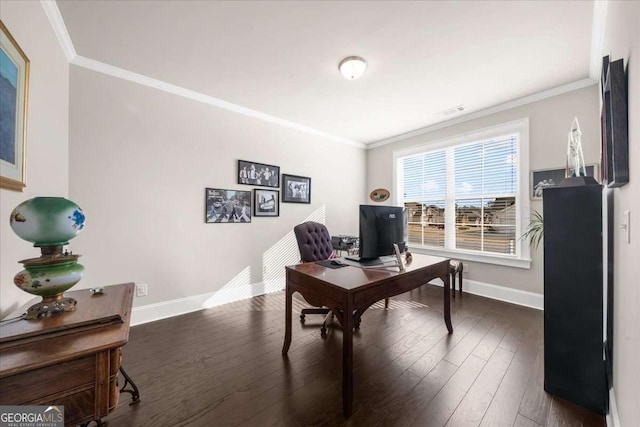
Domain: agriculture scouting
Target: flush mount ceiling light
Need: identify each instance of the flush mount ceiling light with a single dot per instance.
(352, 67)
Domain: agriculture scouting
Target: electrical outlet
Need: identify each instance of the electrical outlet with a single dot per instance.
(141, 290)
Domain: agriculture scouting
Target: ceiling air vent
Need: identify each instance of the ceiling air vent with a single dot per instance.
(450, 111)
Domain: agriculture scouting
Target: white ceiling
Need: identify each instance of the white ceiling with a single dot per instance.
(281, 58)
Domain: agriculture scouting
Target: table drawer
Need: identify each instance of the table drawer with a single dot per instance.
(406, 284)
(48, 381)
(78, 407)
(369, 296)
(398, 286)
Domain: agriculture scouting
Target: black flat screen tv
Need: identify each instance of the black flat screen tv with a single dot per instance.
(380, 228)
(614, 123)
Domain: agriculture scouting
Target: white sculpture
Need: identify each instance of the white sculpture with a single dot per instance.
(575, 159)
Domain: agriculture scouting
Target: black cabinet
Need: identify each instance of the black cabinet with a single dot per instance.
(573, 296)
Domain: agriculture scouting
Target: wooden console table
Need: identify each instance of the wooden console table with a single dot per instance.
(71, 359)
(350, 291)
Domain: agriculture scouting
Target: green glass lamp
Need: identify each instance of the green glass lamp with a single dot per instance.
(49, 223)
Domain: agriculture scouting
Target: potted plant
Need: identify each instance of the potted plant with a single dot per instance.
(535, 230)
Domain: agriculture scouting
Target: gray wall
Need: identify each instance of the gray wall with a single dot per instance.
(47, 152)
(549, 122)
(140, 160)
(622, 40)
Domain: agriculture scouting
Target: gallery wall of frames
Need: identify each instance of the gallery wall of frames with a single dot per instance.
(236, 206)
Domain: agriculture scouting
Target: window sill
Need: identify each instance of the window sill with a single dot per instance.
(506, 261)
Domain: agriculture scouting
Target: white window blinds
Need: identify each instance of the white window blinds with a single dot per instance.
(464, 196)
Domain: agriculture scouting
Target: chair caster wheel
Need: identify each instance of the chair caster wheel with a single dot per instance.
(302, 316)
(357, 326)
(323, 332)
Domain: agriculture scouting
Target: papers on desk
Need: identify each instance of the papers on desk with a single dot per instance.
(383, 262)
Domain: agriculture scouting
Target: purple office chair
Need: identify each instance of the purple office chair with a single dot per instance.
(314, 243)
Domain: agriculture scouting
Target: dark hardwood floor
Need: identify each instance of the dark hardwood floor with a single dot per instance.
(223, 367)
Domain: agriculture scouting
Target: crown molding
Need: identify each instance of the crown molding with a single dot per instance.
(59, 28)
(579, 84)
(55, 18)
(110, 70)
(57, 22)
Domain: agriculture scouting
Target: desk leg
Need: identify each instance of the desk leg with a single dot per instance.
(287, 321)
(447, 302)
(347, 361)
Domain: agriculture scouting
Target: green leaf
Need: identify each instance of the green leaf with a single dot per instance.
(535, 230)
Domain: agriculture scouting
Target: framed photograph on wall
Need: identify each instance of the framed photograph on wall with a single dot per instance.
(545, 178)
(228, 206)
(296, 189)
(14, 81)
(266, 202)
(252, 173)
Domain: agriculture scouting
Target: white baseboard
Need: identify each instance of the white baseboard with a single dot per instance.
(612, 416)
(176, 307)
(500, 293)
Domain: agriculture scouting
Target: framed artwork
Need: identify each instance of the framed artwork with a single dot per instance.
(228, 206)
(296, 189)
(379, 195)
(251, 173)
(14, 85)
(545, 178)
(266, 202)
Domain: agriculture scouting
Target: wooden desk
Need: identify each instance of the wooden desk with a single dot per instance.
(71, 359)
(349, 291)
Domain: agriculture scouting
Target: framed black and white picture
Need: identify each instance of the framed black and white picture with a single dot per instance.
(547, 178)
(296, 189)
(228, 206)
(252, 173)
(266, 202)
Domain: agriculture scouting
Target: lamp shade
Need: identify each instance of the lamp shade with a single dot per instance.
(47, 221)
(352, 67)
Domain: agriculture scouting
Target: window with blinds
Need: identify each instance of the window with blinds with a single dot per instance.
(464, 194)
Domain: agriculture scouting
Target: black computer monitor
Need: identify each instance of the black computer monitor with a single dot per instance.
(380, 228)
